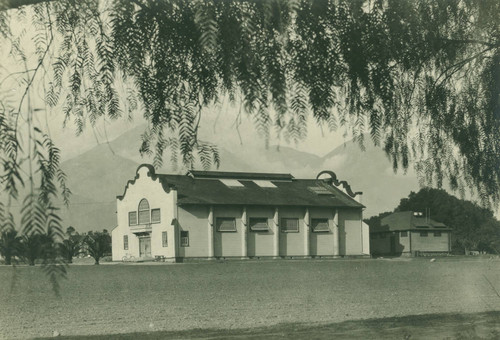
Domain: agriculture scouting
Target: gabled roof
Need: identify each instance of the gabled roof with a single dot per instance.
(206, 188)
(295, 192)
(407, 220)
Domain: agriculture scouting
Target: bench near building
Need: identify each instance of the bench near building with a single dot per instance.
(409, 233)
(209, 214)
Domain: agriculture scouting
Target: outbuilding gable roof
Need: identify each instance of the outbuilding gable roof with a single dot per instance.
(206, 188)
(408, 220)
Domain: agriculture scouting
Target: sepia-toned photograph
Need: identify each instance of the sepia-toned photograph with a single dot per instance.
(250, 169)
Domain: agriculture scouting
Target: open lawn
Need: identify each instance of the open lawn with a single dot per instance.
(267, 296)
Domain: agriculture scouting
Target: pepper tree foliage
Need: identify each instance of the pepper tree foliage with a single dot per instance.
(422, 77)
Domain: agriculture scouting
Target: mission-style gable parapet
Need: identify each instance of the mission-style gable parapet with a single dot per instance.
(143, 172)
(145, 212)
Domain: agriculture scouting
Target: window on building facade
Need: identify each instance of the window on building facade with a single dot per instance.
(184, 238)
(125, 242)
(258, 224)
(164, 240)
(404, 234)
(437, 234)
(155, 215)
(132, 218)
(290, 225)
(143, 210)
(423, 234)
(226, 224)
(319, 225)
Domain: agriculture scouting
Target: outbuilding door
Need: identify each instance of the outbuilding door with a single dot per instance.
(145, 247)
(393, 244)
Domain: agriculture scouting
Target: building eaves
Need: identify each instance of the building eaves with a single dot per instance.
(406, 221)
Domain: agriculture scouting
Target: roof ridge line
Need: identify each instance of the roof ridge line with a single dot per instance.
(200, 174)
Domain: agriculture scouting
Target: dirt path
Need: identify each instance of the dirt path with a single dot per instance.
(431, 326)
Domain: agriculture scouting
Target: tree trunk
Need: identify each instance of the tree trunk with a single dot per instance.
(96, 261)
(8, 259)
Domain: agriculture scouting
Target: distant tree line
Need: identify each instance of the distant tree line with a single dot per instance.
(474, 227)
(37, 247)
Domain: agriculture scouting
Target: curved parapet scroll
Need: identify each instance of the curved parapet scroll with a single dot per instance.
(334, 181)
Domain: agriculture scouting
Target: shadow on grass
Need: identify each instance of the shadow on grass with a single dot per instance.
(484, 325)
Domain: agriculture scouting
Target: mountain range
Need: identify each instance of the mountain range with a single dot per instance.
(97, 176)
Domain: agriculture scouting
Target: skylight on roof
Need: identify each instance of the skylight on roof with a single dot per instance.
(320, 190)
(265, 184)
(231, 183)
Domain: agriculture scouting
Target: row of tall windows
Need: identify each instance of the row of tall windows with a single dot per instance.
(288, 225)
(145, 215)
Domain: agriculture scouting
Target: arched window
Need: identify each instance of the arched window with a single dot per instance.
(144, 216)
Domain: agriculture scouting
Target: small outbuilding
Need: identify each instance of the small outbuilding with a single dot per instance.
(409, 233)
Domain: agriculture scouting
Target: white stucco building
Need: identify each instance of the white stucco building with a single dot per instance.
(208, 214)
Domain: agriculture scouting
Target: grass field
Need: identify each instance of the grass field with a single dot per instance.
(163, 299)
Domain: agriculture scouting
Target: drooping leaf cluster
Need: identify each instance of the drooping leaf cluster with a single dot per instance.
(32, 180)
(38, 231)
(39, 227)
(423, 77)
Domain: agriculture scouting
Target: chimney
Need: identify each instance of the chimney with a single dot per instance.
(359, 197)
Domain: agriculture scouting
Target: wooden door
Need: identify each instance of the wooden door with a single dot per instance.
(393, 244)
(145, 247)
